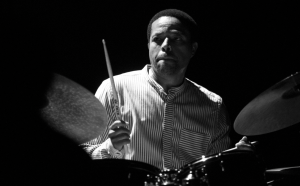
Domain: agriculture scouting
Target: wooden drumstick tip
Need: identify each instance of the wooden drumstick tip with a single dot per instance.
(103, 41)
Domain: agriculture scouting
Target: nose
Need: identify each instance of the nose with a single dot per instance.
(166, 47)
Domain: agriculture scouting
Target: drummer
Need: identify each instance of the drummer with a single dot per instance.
(167, 119)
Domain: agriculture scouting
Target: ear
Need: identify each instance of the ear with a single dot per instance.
(194, 48)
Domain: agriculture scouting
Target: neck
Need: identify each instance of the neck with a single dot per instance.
(167, 81)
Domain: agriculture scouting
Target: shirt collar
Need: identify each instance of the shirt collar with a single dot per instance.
(172, 92)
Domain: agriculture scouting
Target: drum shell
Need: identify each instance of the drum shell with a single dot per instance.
(228, 168)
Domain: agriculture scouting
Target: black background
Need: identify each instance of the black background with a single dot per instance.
(245, 48)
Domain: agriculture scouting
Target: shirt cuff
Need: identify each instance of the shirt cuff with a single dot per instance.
(112, 151)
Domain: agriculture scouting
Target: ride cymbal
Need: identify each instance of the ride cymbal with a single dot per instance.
(276, 108)
(285, 171)
(73, 111)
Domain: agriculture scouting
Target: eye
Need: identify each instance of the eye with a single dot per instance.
(177, 38)
(156, 39)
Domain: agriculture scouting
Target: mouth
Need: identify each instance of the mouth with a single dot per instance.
(166, 59)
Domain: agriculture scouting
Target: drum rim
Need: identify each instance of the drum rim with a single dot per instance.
(130, 164)
(207, 159)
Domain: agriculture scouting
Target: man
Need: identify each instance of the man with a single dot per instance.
(168, 120)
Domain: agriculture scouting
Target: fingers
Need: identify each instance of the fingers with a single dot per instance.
(119, 142)
(244, 139)
(244, 144)
(118, 128)
(118, 124)
(119, 134)
(119, 131)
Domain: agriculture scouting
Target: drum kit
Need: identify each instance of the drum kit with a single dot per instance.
(76, 113)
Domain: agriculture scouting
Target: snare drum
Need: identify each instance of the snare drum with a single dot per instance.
(120, 172)
(235, 168)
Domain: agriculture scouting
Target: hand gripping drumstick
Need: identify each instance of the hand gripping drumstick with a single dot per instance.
(115, 96)
(252, 144)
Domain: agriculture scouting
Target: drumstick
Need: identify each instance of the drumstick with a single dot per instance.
(115, 96)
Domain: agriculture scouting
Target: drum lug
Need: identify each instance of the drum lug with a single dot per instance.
(192, 178)
(151, 180)
(204, 179)
(222, 166)
(168, 177)
(148, 184)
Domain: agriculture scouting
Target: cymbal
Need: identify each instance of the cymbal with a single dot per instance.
(73, 111)
(285, 171)
(276, 108)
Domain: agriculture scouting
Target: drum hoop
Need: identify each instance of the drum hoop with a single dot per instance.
(129, 164)
(211, 158)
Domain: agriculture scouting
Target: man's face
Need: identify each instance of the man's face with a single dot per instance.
(170, 46)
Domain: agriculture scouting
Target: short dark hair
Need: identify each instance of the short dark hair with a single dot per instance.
(185, 19)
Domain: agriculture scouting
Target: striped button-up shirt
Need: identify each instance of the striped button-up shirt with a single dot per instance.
(168, 130)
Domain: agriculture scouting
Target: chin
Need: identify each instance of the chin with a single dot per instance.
(169, 70)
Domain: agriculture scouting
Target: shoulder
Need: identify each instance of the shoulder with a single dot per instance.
(124, 77)
(121, 80)
(204, 91)
(128, 75)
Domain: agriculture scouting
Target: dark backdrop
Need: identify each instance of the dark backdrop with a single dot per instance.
(245, 48)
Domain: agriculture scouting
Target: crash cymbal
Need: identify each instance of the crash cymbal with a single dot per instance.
(276, 108)
(285, 171)
(73, 111)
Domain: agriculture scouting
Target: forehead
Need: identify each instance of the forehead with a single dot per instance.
(168, 24)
